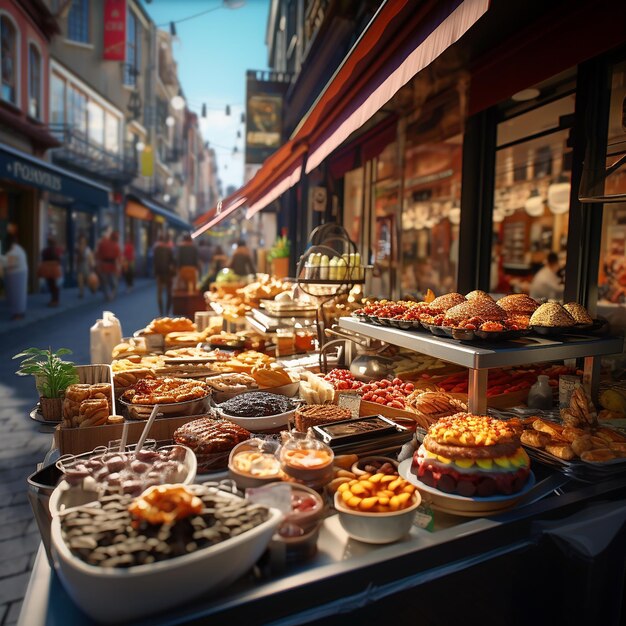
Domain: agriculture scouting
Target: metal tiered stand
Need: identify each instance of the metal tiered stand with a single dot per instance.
(324, 283)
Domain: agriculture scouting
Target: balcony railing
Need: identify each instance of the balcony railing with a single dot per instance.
(81, 153)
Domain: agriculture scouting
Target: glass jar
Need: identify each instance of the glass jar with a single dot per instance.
(305, 339)
(307, 460)
(285, 342)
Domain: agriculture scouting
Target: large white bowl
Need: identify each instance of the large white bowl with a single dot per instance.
(116, 594)
(376, 527)
(256, 424)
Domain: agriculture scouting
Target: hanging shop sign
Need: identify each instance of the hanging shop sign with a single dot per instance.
(114, 48)
(264, 112)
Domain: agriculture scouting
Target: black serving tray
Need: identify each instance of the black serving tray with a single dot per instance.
(347, 432)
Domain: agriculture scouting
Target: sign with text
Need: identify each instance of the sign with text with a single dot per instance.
(114, 48)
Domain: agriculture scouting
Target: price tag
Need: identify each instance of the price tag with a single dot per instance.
(350, 400)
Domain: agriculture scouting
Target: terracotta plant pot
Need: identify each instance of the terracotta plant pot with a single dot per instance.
(280, 267)
(51, 409)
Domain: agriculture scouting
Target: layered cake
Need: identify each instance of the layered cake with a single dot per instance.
(472, 455)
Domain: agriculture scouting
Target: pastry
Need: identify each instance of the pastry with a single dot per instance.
(232, 383)
(486, 310)
(93, 412)
(130, 377)
(445, 302)
(477, 294)
(552, 314)
(165, 391)
(78, 392)
(211, 440)
(166, 325)
(535, 438)
(433, 405)
(518, 304)
(472, 455)
(317, 414)
(267, 377)
(561, 451)
(599, 455)
(579, 313)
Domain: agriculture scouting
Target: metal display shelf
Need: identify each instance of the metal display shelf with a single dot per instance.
(480, 358)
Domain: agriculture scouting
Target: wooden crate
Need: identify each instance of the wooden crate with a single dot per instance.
(79, 440)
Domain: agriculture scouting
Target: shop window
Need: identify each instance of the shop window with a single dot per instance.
(34, 82)
(57, 99)
(77, 110)
(78, 21)
(353, 205)
(96, 123)
(9, 60)
(111, 133)
(612, 265)
(431, 204)
(133, 49)
(531, 201)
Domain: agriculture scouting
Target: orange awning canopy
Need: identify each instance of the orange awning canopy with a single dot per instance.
(399, 42)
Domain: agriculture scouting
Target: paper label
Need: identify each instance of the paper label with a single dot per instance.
(424, 517)
(350, 401)
(155, 342)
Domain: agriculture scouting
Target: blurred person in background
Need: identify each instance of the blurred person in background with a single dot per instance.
(219, 261)
(50, 269)
(164, 267)
(15, 265)
(108, 258)
(188, 263)
(128, 265)
(204, 254)
(83, 262)
(546, 283)
(241, 262)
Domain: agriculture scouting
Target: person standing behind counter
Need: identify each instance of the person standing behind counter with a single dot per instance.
(546, 283)
(15, 266)
(188, 263)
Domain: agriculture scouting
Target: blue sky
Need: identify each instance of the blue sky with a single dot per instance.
(213, 52)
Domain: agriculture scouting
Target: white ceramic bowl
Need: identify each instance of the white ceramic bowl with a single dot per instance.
(65, 497)
(256, 424)
(116, 594)
(376, 527)
(356, 467)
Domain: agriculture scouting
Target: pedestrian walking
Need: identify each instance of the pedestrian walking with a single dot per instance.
(242, 263)
(218, 262)
(84, 264)
(108, 259)
(128, 265)
(15, 265)
(188, 263)
(164, 267)
(204, 255)
(50, 269)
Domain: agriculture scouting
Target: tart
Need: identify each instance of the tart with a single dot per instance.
(472, 455)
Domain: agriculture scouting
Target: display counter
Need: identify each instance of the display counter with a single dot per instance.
(480, 358)
(461, 556)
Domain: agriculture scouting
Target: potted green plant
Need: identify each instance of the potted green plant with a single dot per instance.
(279, 257)
(52, 375)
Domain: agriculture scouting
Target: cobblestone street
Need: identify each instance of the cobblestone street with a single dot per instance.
(25, 442)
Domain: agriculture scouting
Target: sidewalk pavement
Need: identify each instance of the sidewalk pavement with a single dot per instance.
(37, 309)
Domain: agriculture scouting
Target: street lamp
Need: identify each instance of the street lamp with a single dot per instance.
(170, 121)
(140, 146)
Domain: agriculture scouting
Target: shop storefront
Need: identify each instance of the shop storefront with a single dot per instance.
(44, 200)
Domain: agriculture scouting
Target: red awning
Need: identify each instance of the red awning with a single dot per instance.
(223, 209)
(400, 41)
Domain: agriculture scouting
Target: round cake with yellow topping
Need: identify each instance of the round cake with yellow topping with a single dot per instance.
(473, 456)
